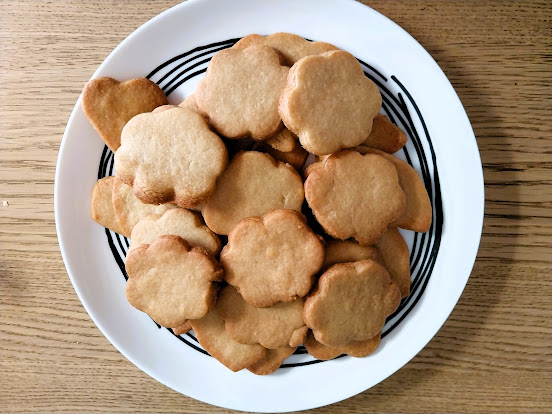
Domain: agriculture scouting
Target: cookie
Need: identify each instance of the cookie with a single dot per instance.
(350, 303)
(272, 361)
(357, 349)
(283, 141)
(344, 251)
(290, 46)
(274, 327)
(101, 209)
(170, 156)
(179, 222)
(328, 102)
(129, 210)
(240, 92)
(385, 135)
(296, 157)
(110, 104)
(213, 337)
(189, 103)
(172, 281)
(272, 258)
(182, 329)
(417, 214)
(355, 195)
(253, 184)
(396, 258)
(163, 108)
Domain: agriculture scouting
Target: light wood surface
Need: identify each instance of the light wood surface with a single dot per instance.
(492, 355)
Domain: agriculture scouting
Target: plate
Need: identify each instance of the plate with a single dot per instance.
(173, 49)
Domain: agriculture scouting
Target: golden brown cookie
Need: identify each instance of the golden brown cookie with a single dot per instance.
(171, 281)
(273, 258)
(355, 195)
(345, 251)
(385, 135)
(110, 104)
(272, 361)
(396, 258)
(189, 103)
(296, 157)
(357, 349)
(252, 185)
(350, 303)
(240, 92)
(290, 46)
(129, 210)
(101, 209)
(328, 102)
(417, 213)
(170, 156)
(182, 329)
(163, 108)
(283, 141)
(212, 336)
(180, 222)
(273, 327)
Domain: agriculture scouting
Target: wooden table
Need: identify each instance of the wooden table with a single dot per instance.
(492, 355)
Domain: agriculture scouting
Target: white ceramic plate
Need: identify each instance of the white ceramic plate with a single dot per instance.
(173, 49)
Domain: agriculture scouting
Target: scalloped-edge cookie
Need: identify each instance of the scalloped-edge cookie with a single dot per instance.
(350, 303)
(357, 349)
(170, 156)
(272, 258)
(101, 207)
(171, 281)
(328, 102)
(110, 104)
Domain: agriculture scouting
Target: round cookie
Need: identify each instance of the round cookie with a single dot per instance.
(252, 185)
(101, 207)
(350, 303)
(328, 102)
(171, 281)
(273, 327)
(272, 361)
(182, 329)
(357, 349)
(385, 135)
(189, 103)
(240, 92)
(273, 258)
(354, 195)
(170, 156)
(179, 222)
(396, 258)
(290, 46)
(345, 251)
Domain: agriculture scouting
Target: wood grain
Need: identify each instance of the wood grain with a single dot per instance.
(492, 355)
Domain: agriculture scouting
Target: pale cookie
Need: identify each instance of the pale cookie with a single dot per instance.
(213, 337)
(189, 103)
(273, 258)
(252, 185)
(171, 281)
(272, 361)
(290, 46)
(350, 303)
(355, 195)
(163, 108)
(296, 157)
(101, 209)
(129, 210)
(170, 156)
(329, 103)
(417, 213)
(357, 349)
(385, 135)
(274, 327)
(110, 104)
(240, 92)
(182, 329)
(283, 141)
(180, 222)
(396, 258)
(344, 251)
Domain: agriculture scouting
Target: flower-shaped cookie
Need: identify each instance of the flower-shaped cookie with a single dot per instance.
(350, 303)
(170, 156)
(328, 102)
(171, 281)
(240, 92)
(357, 349)
(354, 195)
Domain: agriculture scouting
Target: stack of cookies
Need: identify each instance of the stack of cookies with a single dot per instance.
(211, 193)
